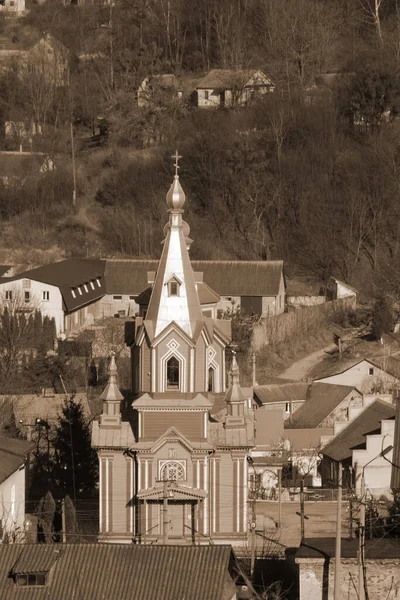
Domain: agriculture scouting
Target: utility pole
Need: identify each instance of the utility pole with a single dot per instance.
(338, 548)
(361, 542)
(165, 512)
(279, 498)
(302, 509)
(63, 524)
(253, 360)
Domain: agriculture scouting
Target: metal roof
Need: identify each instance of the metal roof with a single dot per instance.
(322, 399)
(285, 392)
(120, 572)
(353, 436)
(225, 277)
(69, 275)
(226, 79)
(12, 455)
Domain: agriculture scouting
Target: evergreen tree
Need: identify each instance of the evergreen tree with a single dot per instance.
(382, 317)
(46, 512)
(76, 464)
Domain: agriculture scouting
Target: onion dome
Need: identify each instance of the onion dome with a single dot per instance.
(176, 196)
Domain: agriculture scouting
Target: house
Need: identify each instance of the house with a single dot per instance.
(253, 287)
(32, 410)
(13, 454)
(12, 7)
(227, 87)
(366, 376)
(66, 291)
(169, 470)
(336, 290)
(159, 89)
(286, 398)
(19, 168)
(119, 572)
(358, 445)
(316, 563)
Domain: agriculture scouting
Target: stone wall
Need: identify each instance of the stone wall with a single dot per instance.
(317, 579)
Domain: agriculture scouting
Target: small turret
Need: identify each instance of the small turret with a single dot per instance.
(235, 399)
(111, 397)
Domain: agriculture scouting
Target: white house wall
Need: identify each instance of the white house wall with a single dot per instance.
(363, 376)
(12, 502)
(53, 307)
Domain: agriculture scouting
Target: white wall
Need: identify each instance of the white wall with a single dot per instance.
(12, 501)
(360, 377)
(52, 308)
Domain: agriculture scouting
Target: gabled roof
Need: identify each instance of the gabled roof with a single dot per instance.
(285, 392)
(306, 439)
(121, 571)
(68, 275)
(13, 452)
(225, 277)
(29, 407)
(322, 399)
(353, 436)
(228, 78)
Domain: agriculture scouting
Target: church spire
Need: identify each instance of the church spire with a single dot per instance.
(234, 398)
(111, 397)
(174, 295)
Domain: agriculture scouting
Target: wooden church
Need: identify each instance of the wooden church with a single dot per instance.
(173, 465)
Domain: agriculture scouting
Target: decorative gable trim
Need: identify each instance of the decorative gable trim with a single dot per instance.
(172, 327)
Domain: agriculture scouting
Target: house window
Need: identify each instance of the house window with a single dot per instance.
(45, 295)
(207, 313)
(173, 373)
(73, 293)
(98, 282)
(211, 379)
(92, 285)
(173, 287)
(26, 284)
(206, 95)
(86, 287)
(172, 471)
(288, 408)
(131, 297)
(79, 291)
(30, 579)
(8, 294)
(27, 296)
(117, 297)
(371, 371)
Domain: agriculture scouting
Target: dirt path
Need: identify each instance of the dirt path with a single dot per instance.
(302, 367)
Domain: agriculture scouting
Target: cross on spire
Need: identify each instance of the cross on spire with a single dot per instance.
(176, 156)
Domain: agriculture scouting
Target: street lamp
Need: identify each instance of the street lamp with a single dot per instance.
(362, 580)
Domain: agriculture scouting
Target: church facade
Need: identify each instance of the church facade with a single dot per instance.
(173, 459)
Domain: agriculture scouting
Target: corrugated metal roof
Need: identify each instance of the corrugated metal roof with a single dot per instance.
(68, 275)
(353, 435)
(268, 394)
(306, 439)
(395, 480)
(122, 572)
(226, 277)
(225, 79)
(322, 399)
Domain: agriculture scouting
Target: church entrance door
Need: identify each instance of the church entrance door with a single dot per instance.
(176, 515)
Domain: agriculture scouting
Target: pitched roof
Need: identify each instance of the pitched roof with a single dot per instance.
(395, 479)
(325, 548)
(285, 392)
(21, 164)
(29, 407)
(306, 439)
(226, 277)
(68, 275)
(322, 399)
(227, 78)
(353, 435)
(120, 572)
(12, 455)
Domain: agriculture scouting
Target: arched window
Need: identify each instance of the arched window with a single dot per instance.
(172, 471)
(211, 379)
(173, 373)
